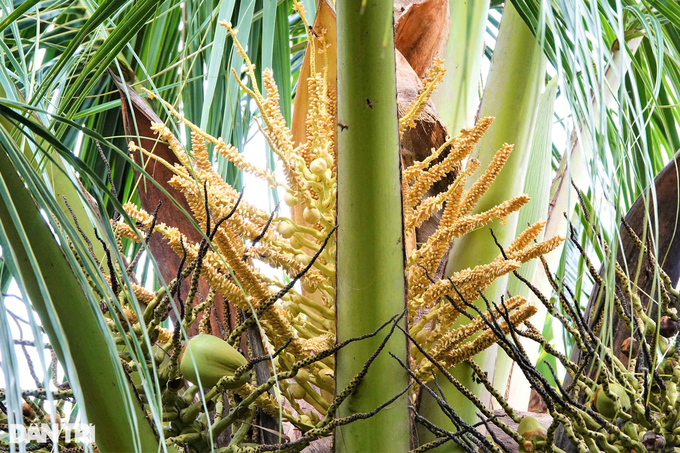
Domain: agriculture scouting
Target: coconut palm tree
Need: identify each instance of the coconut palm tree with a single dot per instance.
(601, 76)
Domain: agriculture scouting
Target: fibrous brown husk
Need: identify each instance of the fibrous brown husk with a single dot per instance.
(421, 31)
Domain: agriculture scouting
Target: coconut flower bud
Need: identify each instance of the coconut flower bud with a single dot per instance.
(311, 215)
(210, 359)
(302, 375)
(326, 377)
(290, 199)
(668, 327)
(630, 346)
(421, 337)
(296, 391)
(303, 259)
(318, 166)
(309, 289)
(605, 405)
(286, 229)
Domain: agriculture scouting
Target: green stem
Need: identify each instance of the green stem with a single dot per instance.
(370, 257)
(457, 96)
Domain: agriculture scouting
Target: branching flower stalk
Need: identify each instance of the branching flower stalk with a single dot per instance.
(307, 323)
(610, 407)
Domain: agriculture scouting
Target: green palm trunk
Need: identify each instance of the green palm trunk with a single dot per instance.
(370, 260)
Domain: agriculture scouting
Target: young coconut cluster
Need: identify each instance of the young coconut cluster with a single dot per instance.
(299, 324)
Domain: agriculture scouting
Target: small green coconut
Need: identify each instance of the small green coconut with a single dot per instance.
(532, 431)
(214, 358)
(605, 406)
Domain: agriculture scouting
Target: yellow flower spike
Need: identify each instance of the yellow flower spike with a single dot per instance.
(464, 144)
(480, 186)
(231, 265)
(164, 335)
(480, 343)
(452, 209)
(466, 224)
(426, 209)
(126, 231)
(525, 237)
(536, 250)
(454, 338)
(142, 294)
(318, 344)
(276, 132)
(288, 263)
(164, 134)
(434, 77)
(430, 255)
(409, 174)
(199, 151)
(468, 282)
(133, 147)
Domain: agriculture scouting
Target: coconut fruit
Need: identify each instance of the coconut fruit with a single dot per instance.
(213, 358)
(318, 166)
(286, 229)
(326, 377)
(290, 199)
(607, 407)
(296, 391)
(532, 431)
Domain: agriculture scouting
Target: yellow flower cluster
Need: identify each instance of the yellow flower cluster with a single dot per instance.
(232, 264)
(435, 305)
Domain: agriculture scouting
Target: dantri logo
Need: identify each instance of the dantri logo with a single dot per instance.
(40, 433)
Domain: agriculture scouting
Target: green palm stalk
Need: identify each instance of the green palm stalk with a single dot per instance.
(537, 186)
(457, 96)
(370, 260)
